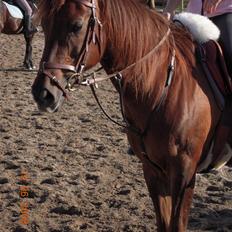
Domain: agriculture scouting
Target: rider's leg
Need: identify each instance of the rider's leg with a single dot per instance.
(222, 134)
(224, 130)
(23, 4)
(224, 23)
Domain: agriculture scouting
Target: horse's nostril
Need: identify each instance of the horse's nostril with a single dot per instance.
(46, 96)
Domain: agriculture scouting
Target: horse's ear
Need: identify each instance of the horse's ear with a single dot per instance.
(100, 4)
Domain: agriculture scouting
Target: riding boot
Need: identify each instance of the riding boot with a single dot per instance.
(219, 148)
(28, 27)
(130, 151)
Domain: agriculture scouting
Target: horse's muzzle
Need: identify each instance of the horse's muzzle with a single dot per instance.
(48, 98)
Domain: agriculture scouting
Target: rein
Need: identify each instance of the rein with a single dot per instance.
(91, 80)
(88, 81)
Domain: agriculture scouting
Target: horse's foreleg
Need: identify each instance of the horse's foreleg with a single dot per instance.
(160, 194)
(172, 196)
(28, 53)
(181, 202)
(185, 205)
(182, 180)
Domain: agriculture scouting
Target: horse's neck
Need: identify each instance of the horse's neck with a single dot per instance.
(33, 6)
(145, 74)
(126, 44)
(145, 98)
(140, 98)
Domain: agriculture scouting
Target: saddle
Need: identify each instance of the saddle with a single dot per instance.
(213, 64)
(212, 60)
(14, 11)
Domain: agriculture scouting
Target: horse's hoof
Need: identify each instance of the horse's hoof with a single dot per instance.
(29, 67)
(32, 68)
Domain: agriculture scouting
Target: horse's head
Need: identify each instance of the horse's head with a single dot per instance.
(72, 45)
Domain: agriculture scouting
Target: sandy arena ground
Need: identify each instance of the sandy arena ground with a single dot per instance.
(75, 164)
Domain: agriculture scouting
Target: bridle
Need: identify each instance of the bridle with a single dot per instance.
(77, 76)
(78, 68)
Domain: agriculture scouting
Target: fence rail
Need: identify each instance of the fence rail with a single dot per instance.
(162, 3)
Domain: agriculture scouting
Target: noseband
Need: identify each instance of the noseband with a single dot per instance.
(77, 70)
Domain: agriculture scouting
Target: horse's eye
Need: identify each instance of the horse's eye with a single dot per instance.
(76, 27)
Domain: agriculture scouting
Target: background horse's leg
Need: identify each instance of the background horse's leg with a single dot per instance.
(28, 53)
(151, 4)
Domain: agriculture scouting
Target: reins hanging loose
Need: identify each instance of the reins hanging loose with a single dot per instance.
(78, 78)
(125, 124)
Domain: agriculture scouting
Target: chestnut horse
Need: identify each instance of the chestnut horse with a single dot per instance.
(10, 25)
(167, 103)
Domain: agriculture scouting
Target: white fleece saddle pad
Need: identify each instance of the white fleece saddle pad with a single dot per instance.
(14, 11)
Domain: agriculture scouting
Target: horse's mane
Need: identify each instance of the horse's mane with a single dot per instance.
(133, 30)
